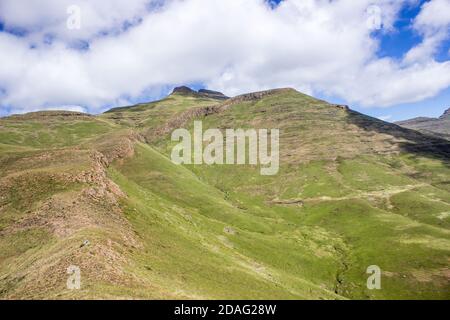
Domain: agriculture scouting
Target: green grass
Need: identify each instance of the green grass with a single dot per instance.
(184, 221)
(345, 198)
(374, 205)
(418, 206)
(322, 241)
(380, 238)
(20, 242)
(40, 132)
(363, 174)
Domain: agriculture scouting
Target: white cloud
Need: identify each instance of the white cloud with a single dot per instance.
(386, 117)
(433, 23)
(434, 16)
(42, 17)
(235, 46)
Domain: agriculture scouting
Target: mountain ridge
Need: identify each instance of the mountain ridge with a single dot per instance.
(437, 126)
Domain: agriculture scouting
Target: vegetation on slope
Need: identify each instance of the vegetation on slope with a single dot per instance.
(352, 192)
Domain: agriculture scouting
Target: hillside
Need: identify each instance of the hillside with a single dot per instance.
(438, 126)
(101, 193)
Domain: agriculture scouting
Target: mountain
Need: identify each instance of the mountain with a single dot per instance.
(202, 93)
(437, 126)
(445, 115)
(101, 193)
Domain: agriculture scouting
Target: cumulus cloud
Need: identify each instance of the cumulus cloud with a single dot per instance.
(136, 48)
(433, 23)
(48, 17)
(434, 16)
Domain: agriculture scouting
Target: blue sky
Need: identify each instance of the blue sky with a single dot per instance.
(137, 51)
(396, 45)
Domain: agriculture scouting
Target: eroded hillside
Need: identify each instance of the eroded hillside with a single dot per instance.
(101, 193)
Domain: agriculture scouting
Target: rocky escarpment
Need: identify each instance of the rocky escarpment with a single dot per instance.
(67, 194)
(85, 168)
(183, 90)
(202, 93)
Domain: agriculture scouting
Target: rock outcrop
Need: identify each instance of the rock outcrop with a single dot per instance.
(212, 94)
(202, 93)
(183, 90)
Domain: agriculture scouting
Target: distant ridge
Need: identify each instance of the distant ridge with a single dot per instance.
(186, 91)
(446, 114)
(49, 114)
(438, 126)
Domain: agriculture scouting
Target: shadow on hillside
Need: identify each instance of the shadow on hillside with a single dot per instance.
(414, 142)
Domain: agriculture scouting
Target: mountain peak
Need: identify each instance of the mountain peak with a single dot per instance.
(446, 114)
(202, 93)
(183, 90)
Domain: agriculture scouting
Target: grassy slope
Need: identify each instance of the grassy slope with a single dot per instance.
(52, 198)
(223, 231)
(201, 245)
(385, 206)
(151, 115)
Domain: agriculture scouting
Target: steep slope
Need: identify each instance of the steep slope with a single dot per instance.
(378, 188)
(58, 207)
(439, 126)
(352, 191)
(149, 115)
